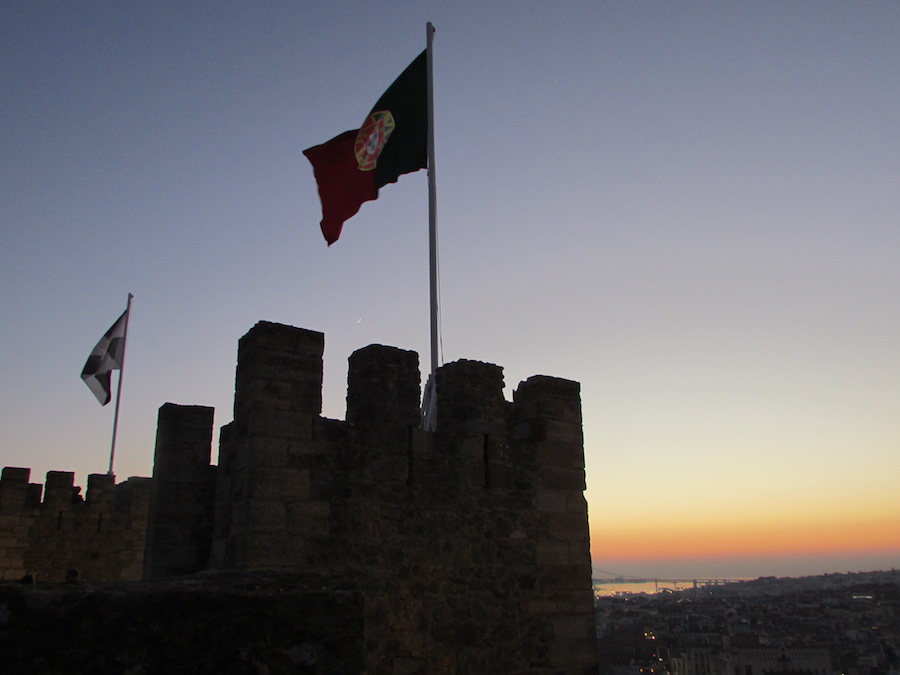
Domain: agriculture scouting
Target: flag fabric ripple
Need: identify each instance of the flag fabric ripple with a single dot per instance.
(105, 358)
(393, 140)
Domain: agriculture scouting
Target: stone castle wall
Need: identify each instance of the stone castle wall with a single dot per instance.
(272, 623)
(470, 543)
(101, 535)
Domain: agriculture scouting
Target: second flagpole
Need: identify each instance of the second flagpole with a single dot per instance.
(112, 449)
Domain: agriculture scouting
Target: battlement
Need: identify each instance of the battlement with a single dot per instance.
(285, 472)
(485, 516)
(468, 545)
(51, 529)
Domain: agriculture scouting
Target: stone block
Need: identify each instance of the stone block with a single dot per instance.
(266, 550)
(296, 485)
(33, 496)
(569, 526)
(264, 483)
(278, 366)
(267, 393)
(579, 602)
(578, 656)
(557, 454)
(266, 515)
(499, 476)
(552, 553)
(309, 518)
(287, 424)
(390, 470)
(266, 451)
(574, 627)
(543, 606)
(557, 431)
(576, 503)
(551, 501)
(563, 478)
(305, 392)
(13, 497)
(565, 576)
(304, 449)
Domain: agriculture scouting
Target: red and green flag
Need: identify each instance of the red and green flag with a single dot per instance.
(393, 140)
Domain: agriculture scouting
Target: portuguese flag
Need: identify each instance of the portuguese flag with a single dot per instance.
(393, 139)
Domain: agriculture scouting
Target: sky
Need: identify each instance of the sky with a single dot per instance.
(691, 208)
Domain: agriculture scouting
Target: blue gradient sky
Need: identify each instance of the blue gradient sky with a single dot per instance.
(692, 208)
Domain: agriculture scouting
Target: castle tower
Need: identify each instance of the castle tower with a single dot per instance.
(470, 543)
(179, 531)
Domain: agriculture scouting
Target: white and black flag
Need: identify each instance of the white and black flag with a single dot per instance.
(106, 357)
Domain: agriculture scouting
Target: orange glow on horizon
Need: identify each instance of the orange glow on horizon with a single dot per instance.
(755, 539)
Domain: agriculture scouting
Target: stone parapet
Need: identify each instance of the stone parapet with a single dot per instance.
(277, 624)
(97, 536)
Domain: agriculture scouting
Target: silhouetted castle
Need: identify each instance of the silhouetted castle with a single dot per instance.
(467, 547)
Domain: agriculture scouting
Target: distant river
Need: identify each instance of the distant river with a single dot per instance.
(618, 588)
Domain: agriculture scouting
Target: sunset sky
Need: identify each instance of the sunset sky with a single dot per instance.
(692, 208)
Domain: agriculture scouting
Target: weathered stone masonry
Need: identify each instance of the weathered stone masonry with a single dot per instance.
(469, 545)
(182, 498)
(101, 535)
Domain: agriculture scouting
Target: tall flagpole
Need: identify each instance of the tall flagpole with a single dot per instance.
(432, 202)
(429, 399)
(112, 450)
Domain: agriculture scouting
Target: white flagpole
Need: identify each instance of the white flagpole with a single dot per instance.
(429, 399)
(112, 450)
(432, 203)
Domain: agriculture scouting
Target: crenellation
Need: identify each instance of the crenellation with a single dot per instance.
(180, 524)
(60, 489)
(469, 544)
(470, 399)
(96, 534)
(15, 490)
(383, 387)
(101, 489)
(14, 474)
(279, 367)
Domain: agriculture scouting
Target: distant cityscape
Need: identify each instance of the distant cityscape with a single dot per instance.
(833, 624)
(615, 585)
(604, 575)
